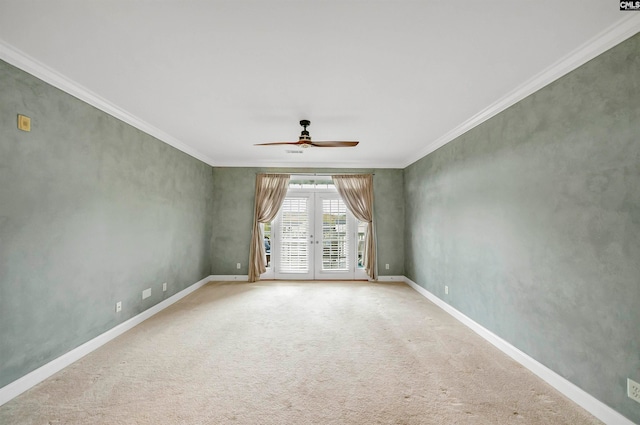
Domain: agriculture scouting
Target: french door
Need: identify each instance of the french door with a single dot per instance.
(315, 237)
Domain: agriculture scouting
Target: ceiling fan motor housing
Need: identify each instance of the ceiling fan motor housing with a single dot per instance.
(304, 135)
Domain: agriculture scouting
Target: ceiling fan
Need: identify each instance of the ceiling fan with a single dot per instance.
(305, 140)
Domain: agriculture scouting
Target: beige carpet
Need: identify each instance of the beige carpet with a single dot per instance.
(296, 353)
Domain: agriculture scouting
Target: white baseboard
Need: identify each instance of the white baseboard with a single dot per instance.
(579, 396)
(229, 277)
(585, 400)
(391, 278)
(31, 379)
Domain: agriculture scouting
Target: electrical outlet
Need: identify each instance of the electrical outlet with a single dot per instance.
(118, 306)
(146, 293)
(446, 290)
(164, 287)
(633, 390)
(238, 266)
(386, 266)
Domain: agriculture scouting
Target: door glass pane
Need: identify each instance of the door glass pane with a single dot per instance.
(267, 241)
(294, 236)
(362, 228)
(335, 246)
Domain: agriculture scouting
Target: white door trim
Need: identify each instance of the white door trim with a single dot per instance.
(315, 197)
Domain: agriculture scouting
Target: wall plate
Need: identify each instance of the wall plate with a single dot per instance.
(24, 123)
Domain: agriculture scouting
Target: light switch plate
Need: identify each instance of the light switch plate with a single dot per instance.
(24, 123)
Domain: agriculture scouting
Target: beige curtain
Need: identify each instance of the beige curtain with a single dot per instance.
(357, 193)
(271, 190)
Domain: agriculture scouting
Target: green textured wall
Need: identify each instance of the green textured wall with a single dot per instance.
(234, 192)
(232, 213)
(92, 211)
(533, 221)
(389, 213)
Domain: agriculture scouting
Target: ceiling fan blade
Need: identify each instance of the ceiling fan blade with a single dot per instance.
(276, 143)
(305, 140)
(334, 144)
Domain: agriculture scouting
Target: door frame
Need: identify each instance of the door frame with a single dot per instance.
(315, 251)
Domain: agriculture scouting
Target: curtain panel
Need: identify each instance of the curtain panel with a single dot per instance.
(271, 190)
(357, 193)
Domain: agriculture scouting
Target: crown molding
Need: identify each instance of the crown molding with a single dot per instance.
(615, 34)
(32, 66)
(310, 164)
(608, 38)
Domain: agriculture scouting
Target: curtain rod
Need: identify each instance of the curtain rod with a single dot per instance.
(317, 174)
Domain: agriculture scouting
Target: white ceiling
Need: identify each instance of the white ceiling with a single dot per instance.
(215, 77)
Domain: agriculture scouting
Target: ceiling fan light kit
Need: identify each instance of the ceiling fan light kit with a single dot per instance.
(304, 140)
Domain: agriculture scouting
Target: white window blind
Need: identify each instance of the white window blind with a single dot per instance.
(294, 236)
(335, 243)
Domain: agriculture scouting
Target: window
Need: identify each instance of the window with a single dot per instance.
(362, 228)
(335, 235)
(311, 182)
(266, 230)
